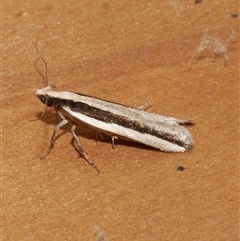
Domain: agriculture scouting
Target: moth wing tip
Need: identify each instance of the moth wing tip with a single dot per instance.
(187, 122)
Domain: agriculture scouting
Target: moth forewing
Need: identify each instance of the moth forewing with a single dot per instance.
(166, 137)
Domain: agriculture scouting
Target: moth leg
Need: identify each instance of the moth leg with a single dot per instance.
(114, 137)
(82, 152)
(145, 106)
(62, 123)
(99, 134)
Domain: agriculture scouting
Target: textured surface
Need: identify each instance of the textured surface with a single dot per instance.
(132, 53)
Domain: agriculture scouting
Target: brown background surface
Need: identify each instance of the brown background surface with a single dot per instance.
(129, 52)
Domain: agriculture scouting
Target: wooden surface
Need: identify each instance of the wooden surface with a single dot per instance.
(131, 53)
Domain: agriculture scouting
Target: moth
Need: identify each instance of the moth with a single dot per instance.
(165, 133)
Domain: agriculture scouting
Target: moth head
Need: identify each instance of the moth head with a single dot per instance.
(43, 96)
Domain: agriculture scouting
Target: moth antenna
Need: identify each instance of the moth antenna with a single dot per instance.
(46, 78)
(45, 63)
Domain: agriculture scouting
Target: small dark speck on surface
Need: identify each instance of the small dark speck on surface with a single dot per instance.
(180, 168)
(197, 1)
(234, 15)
